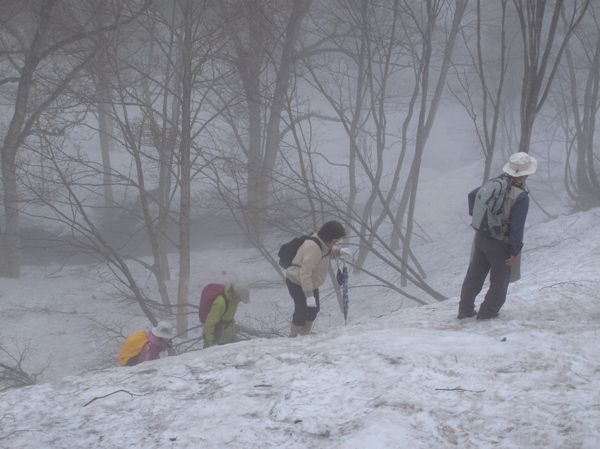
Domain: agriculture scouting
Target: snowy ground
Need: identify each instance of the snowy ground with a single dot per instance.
(412, 377)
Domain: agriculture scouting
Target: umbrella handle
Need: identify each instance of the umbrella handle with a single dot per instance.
(345, 292)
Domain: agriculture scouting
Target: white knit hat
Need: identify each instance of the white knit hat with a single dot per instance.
(164, 329)
(520, 164)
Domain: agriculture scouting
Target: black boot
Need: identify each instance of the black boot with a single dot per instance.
(486, 316)
(466, 314)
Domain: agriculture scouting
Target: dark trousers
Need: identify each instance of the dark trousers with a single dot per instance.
(489, 256)
(302, 313)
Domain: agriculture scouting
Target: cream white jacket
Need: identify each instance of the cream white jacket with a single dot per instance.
(310, 265)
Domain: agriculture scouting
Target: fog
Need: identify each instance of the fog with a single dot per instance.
(149, 148)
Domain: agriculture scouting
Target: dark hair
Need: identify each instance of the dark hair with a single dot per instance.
(332, 230)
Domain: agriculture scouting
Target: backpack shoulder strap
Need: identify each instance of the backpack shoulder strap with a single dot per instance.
(225, 294)
(509, 184)
(519, 186)
(317, 241)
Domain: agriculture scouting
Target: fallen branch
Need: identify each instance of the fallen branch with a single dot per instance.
(12, 373)
(109, 394)
(459, 389)
(560, 284)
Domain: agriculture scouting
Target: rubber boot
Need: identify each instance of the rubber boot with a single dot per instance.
(295, 330)
(306, 328)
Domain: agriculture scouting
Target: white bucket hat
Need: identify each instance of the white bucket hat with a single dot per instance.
(164, 329)
(520, 164)
(243, 291)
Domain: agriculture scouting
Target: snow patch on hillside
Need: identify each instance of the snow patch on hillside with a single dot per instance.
(416, 377)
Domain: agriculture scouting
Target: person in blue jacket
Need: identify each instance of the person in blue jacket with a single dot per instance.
(496, 253)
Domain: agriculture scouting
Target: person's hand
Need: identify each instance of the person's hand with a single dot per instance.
(345, 255)
(510, 261)
(311, 301)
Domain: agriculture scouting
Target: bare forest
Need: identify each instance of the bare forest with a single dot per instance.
(131, 129)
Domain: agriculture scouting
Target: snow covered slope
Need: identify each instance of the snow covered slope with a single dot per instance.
(416, 378)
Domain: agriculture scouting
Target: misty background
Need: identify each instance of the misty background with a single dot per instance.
(135, 133)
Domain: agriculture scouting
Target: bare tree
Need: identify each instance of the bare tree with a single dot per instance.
(175, 108)
(71, 202)
(263, 56)
(100, 75)
(484, 103)
(39, 85)
(12, 371)
(428, 105)
(161, 79)
(185, 147)
(368, 41)
(580, 106)
(540, 59)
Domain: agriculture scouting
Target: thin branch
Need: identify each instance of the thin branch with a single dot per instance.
(110, 394)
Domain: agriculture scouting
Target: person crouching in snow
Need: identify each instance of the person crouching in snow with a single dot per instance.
(146, 345)
(308, 272)
(219, 327)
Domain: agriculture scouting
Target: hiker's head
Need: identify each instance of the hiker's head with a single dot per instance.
(241, 292)
(520, 165)
(164, 330)
(331, 232)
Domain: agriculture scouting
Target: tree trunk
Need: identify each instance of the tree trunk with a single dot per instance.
(540, 61)
(527, 121)
(249, 65)
(20, 125)
(105, 129)
(261, 160)
(13, 139)
(588, 187)
(427, 117)
(10, 241)
(272, 138)
(185, 150)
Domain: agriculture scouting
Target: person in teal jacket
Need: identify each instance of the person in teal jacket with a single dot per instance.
(219, 328)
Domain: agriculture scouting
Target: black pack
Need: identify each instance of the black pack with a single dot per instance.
(288, 250)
